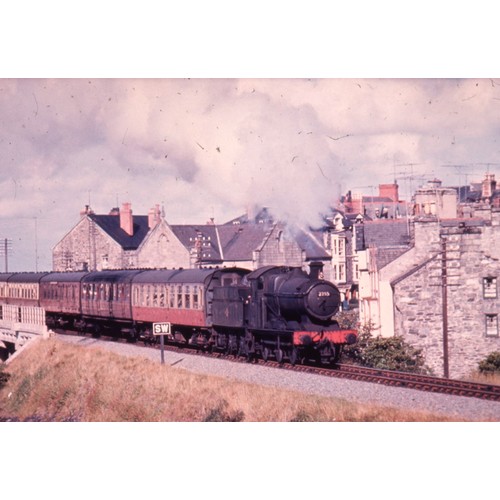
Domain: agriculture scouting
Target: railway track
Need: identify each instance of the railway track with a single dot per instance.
(354, 372)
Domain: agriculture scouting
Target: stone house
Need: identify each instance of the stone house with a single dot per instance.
(121, 240)
(440, 293)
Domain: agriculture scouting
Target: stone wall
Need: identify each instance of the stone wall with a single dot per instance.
(470, 255)
(162, 248)
(88, 247)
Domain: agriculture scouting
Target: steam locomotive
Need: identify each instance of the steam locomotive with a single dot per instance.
(276, 311)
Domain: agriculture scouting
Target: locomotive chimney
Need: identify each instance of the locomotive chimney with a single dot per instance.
(316, 270)
(126, 220)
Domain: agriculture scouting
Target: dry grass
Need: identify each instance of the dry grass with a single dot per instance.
(54, 381)
(484, 378)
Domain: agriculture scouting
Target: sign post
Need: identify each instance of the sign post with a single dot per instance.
(162, 329)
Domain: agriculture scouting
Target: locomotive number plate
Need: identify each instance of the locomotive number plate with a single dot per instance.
(161, 328)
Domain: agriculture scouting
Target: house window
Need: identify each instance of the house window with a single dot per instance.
(342, 276)
(341, 246)
(490, 288)
(492, 325)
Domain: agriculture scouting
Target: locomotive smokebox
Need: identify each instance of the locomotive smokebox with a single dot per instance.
(316, 270)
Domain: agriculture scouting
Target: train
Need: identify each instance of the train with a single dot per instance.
(278, 312)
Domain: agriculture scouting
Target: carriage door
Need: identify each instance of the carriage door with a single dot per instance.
(109, 297)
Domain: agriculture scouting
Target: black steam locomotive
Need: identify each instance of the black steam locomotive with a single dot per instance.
(275, 311)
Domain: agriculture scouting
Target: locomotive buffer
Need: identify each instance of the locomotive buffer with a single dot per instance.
(162, 329)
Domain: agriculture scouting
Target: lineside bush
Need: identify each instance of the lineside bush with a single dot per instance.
(386, 353)
(491, 364)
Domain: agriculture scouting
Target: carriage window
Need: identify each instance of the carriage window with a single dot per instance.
(155, 296)
(171, 297)
(196, 300)
(162, 295)
(179, 296)
(187, 297)
(148, 295)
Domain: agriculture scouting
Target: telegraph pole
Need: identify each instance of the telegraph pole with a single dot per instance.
(444, 284)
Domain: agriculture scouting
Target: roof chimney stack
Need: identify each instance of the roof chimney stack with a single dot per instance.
(86, 211)
(390, 191)
(153, 216)
(126, 220)
(488, 186)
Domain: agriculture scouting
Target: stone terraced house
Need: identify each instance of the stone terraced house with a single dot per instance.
(121, 240)
(439, 292)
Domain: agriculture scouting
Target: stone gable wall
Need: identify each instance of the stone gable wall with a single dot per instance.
(162, 248)
(86, 246)
(418, 300)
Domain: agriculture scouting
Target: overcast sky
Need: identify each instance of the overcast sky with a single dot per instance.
(212, 147)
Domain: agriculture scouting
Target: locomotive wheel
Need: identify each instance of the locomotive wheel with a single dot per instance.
(294, 356)
(265, 353)
(278, 354)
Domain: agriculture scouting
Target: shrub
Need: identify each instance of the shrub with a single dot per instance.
(387, 353)
(392, 353)
(220, 414)
(355, 351)
(491, 364)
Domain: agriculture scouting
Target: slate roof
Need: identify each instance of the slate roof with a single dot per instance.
(384, 233)
(111, 225)
(188, 234)
(239, 241)
(310, 242)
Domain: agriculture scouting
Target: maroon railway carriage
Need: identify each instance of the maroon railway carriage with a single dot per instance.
(60, 296)
(21, 289)
(181, 297)
(106, 304)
